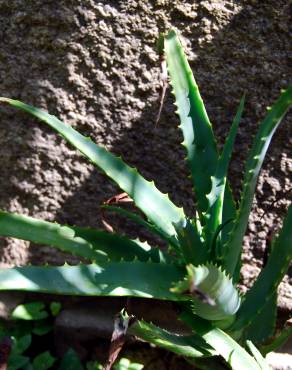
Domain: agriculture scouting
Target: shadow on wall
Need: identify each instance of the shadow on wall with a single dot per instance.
(241, 57)
(94, 66)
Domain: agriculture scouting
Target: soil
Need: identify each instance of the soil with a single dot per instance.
(94, 64)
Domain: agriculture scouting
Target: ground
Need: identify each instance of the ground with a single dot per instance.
(95, 65)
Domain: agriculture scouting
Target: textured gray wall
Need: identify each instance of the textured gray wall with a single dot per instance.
(94, 64)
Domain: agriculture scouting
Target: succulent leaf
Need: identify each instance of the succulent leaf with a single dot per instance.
(229, 213)
(258, 356)
(214, 214)
(213, 295)
(157, 206)
(190, 243)
(222, 343)
(263, 326)
(116, 247)
(91, 244)
(185, 345)
(138, 220)
(136, 279)
(197, 131)
(195, 125)
(278, 341)
(271, 275)
(232, 250)
(48, 233)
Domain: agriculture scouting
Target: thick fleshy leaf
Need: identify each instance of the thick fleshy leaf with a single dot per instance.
(197, 131)
(156, 206)
(137, 279)
(223, 344)
(232, 250)
(191, 245)
(185, 345)
(199, 140)
(91, 244)
(270, 277)
(263, 326)
(138, 220)
(278, 341)
(213, 295)
(214, 214)
(118, 247)
(258, 356)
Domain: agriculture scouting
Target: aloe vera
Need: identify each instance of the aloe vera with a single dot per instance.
(200, 269)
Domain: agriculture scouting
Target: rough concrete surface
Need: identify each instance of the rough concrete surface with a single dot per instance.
(94, 64)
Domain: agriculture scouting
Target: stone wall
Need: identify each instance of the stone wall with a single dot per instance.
(94, 65)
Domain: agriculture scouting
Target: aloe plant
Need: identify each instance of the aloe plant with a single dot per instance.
(200, 269)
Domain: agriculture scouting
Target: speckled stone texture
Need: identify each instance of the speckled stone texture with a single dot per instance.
(94, 64)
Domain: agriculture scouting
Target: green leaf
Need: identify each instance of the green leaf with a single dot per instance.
(43, 361)
(43, 232)
(232, 250)
(229, 213)
(42, 327)
(137, 279)
(27, 366)
(232, 352)
(122, 364)
(70, 361)
(192, 247)
(156, 206)
(214, 214)
(258, 356)
(278, 341)
(138, 220)
(55, 308)
(263, 326)
(29, 311)
(21, 344)
(126, 364)
(223, 344)
(117, 247)
(269, 278)
(91, 244)
(17, 362)
(189, 346)
(94, 365)
(213, 295)
(195, 125)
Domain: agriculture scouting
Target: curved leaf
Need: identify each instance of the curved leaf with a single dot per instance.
(223, 344)
(232, 250)
(138, 220)
(157, 206)
(116, 247)
(63, 238)
(214, 214)
(191, 245)
(185, 345)
(270, 277)
(258, 356)
(278, 341)
(136, 279)
(263, 326)
(91, 244)
(197, 131)
(199, 140)
(213, 295)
